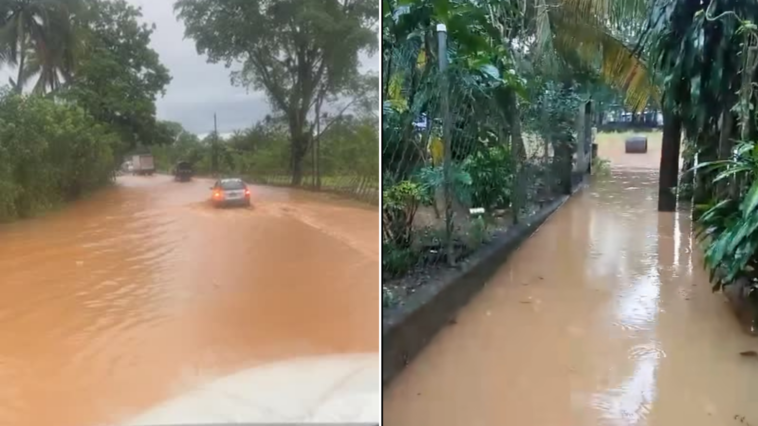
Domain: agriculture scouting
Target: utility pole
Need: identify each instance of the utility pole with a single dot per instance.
(214, 147)
(317, 147)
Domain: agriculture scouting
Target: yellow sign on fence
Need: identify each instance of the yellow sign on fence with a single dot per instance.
(437, 149)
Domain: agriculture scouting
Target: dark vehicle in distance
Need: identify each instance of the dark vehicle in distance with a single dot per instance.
(230, 192)
(183, 171)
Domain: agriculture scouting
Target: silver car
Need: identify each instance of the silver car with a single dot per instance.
(228, 192)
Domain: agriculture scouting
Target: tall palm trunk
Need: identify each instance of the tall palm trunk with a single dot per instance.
(21, 62)
(669, 169)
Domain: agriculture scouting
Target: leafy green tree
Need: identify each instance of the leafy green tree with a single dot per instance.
(51, 152)
(38, 38)
(291, 49)
(349, 147)
(120, 76)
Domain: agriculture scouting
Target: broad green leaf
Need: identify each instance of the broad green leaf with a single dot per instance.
(751, 200)
(731, 172)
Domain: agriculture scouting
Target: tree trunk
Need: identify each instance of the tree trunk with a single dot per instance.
(21, 62)
(686, 180)
(687, 173)
(299, 151)
(514, 122)
(317, 147)
(669, 168)
(703, 188)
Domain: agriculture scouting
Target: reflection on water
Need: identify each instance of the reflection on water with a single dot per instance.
(144, 290)
(627, 331)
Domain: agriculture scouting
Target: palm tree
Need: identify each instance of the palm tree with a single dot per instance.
(38, 38)
(593, 34)
(614, 37)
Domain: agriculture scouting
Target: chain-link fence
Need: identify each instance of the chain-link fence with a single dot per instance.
(463, 160)
(344, 162)
(359, 187)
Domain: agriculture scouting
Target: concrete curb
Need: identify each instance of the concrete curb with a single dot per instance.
(408, 328)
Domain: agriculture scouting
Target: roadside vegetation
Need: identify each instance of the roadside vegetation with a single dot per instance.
(305, 56)
(694, 62)
(704, 59)
(707, 54)
(49, 153)
(82, 93)
(85, 79)
(349, 161)
(512, 104)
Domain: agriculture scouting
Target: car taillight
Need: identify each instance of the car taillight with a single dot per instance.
(217, 194)
(247, 192)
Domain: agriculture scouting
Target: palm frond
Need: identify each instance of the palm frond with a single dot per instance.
(612, 13)
(620, 66)
(45, 27)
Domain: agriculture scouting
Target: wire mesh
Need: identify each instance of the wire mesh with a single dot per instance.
(506, 161)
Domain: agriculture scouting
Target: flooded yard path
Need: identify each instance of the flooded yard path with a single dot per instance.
(144, 291)
(603, 317)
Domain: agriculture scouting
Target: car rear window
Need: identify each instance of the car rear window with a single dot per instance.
(232, 184)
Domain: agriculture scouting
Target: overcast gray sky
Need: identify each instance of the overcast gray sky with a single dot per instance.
(198, 89)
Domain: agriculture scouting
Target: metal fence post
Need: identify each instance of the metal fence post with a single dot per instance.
(588, 135)
(581, 136)
(448, 158)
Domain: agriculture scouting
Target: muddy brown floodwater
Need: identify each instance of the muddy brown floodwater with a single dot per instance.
(603, 317)
(142, 291)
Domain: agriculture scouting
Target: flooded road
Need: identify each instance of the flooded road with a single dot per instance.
(144, 291)
(603, 317)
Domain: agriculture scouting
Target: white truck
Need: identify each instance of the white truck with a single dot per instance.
(143, 164)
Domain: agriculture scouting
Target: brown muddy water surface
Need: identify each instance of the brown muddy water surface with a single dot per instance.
(144, 290)
(603, 317)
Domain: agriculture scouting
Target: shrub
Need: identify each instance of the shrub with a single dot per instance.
(601, 166)
(396, 261)
(491, 177)
(49, 152)
(478, 233)
(400, 204)
(432, 178)
(729, 228)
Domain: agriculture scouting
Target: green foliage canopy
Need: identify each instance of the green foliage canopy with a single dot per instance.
(291, 49)
(120, 76)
